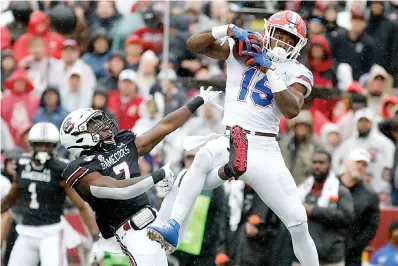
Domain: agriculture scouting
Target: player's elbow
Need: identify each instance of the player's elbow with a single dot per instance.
(291, 113)
(192, 45)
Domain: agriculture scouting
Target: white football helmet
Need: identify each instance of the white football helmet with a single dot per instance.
(88, 130)
(44, 133)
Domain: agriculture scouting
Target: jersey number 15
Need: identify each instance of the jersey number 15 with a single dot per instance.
(260, 93)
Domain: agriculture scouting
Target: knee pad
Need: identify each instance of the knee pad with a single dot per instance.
(218, 150)
(297, 217)
(298, 230)
(203, 159)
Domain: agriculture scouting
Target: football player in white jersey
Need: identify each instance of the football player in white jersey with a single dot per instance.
(271, 84)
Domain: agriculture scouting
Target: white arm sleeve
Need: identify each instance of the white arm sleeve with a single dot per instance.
(123, 193)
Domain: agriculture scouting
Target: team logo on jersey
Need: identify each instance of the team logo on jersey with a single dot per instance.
(68, 126)
(101, 158)
(89, 158)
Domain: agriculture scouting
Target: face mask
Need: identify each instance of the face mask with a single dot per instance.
(42, 156)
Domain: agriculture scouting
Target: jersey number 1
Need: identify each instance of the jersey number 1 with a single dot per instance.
(34, 204)
(260, 93)
(122, 168)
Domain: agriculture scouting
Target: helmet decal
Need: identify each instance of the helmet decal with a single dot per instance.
(68, 126)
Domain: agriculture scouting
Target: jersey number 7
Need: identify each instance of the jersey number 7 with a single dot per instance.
(260, 93)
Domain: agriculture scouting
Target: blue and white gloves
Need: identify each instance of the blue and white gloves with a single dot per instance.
(258, 58)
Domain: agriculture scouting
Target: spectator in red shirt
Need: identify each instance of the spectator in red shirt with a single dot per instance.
(125, 102)
(320, 62)
(20, 104)
(39, 25)
(152, 32)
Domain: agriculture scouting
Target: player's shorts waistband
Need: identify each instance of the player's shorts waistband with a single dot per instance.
(140, 219)
(251, 132)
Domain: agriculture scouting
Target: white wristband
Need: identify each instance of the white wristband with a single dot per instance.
(219, 32)
(275, 82)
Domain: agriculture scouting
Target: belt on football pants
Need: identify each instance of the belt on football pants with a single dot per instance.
(257, 133)
(140, 219)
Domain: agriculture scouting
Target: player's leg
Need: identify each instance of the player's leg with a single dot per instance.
(208, 157)
(25, 252)
(53, 250)
(140, 249)
(269, 176)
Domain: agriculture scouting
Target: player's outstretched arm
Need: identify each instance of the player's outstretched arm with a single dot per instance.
(209, 42)
(106, 187)
(146, 142)
(204, 43)
(85, 210)
(10, 198)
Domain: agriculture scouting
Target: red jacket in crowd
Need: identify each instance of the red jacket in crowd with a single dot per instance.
(18, 108)
(39, 25)
(126, 114)
(323, 76)
(152, 40)
(5, 38)
(388, 105)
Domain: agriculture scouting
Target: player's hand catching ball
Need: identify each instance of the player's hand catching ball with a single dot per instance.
(210, 97)
(259, 58)
(241, 35)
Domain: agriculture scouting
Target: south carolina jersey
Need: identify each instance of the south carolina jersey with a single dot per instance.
(249, 101)
(41, 195)
(120, 163)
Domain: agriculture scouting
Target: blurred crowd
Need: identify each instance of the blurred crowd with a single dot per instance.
(58, 56)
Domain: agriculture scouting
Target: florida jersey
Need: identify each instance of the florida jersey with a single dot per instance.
(119, 163)
(42, 197)
(249, 101)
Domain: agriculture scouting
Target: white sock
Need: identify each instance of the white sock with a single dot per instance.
(191, 185)
(303, 245)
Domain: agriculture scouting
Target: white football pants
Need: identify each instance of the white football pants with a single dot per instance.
(140, 250)
(269, 177)
(49, 250)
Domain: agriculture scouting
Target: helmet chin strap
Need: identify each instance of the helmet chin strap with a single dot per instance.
(42, 156)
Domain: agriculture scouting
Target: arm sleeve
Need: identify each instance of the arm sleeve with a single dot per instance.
(341, 216)
(123, 193)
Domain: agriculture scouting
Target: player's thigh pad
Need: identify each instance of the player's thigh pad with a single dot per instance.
(53, 250)
(25, 252)
(269, 176)
(140, 249)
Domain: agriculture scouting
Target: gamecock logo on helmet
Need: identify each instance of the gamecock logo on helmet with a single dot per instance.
(68, 126)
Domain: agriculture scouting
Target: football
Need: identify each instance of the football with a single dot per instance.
(257, 40)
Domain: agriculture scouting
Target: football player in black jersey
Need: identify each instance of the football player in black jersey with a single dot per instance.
(40, 190)
(107, 175)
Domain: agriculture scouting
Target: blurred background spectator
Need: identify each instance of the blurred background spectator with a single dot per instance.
(330, 210)
(298, 147)
(366, 207)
